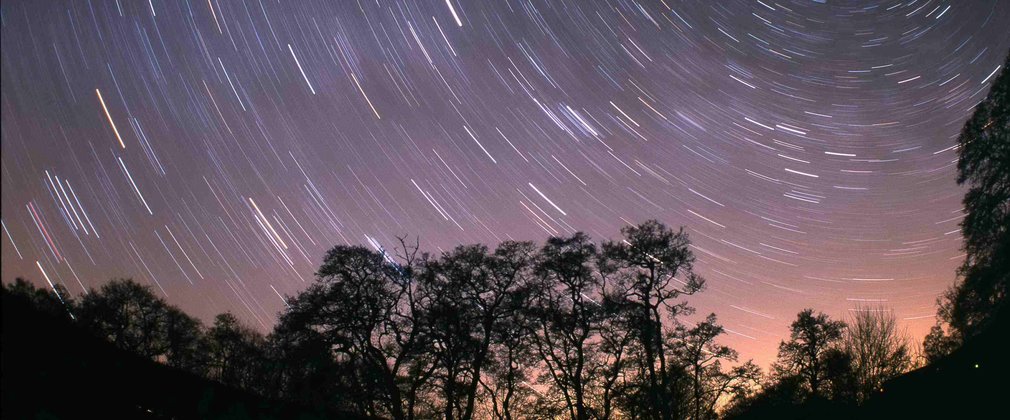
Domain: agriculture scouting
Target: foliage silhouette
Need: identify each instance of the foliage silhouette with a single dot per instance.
(567, 330)
(811, 352)
(235, 352)
(130, 316)
(697, 350)
(54, 369)
(984, 166)
(364, 311)
(645, 266)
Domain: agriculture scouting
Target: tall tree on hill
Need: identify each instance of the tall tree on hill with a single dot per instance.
(984, 167)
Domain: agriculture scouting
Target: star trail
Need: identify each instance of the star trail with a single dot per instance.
(215, 149)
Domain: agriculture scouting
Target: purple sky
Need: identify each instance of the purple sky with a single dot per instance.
(215, 149)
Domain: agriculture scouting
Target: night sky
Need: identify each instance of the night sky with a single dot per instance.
(215, 149)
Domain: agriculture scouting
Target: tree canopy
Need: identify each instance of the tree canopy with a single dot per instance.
(570, 329)
(984, 167)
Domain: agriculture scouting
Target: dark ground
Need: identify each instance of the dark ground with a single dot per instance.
(971, 383)
(53, 370)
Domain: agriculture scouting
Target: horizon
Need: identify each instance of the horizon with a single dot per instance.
(216, 152)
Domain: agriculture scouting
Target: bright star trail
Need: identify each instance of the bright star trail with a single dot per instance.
(215, 149)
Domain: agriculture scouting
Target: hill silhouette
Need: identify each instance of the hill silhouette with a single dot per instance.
(968, 383)
(53, 369)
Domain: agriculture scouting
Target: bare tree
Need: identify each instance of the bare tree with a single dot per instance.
(879, 349)
(466, 302)
(566, 317)
(654, 267)
(698, 352)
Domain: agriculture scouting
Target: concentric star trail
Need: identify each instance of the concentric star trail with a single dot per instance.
(215, 150)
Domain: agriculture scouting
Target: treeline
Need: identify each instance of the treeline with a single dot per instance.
(829, 368)
(968, 307)
(569, 329)
(824, 376)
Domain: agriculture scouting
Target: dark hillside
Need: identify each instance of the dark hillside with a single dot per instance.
(53, 370)
(969, 383)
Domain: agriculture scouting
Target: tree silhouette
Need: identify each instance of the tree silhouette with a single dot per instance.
(466, 295)
(878, 350)
(451, 321)
(129, 315)
(363, 310)
(566, 317)
(646, 264)
(304, 368)
(185, 345)
(506, 388)
(810, 352)
(616, 349)
(236, 352)
(939, 343)
(58, 301)
(568, 329)
(984, 166)
(697, 351)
